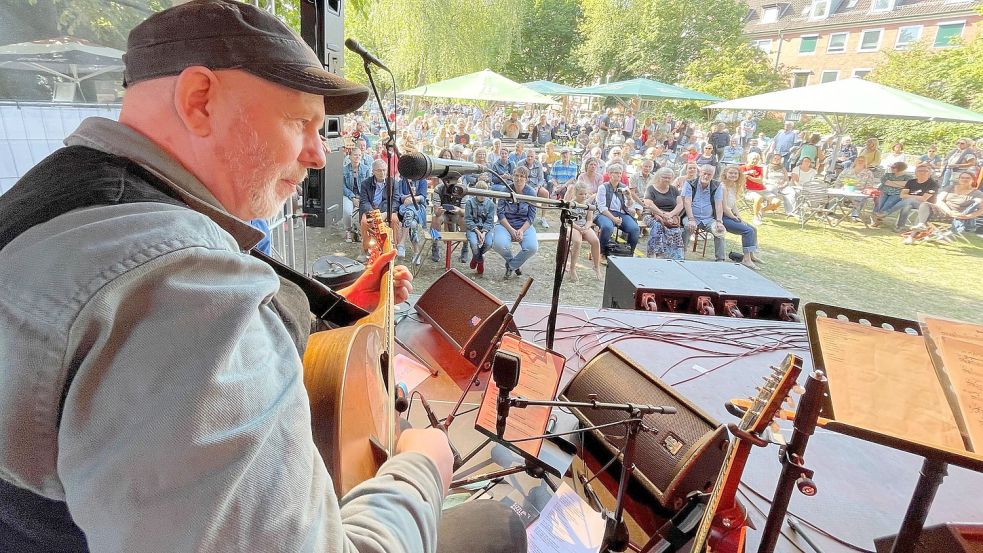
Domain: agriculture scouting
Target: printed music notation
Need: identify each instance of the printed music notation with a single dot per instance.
(885, 381)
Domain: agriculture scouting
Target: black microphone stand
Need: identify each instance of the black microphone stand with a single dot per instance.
(615, 529)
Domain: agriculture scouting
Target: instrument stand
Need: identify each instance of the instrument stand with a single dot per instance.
(794, 472)
(531, 467)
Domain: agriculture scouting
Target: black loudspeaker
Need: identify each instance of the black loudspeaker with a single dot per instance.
(654, 285)
(942, 538)
(467, 315)
(685, 451)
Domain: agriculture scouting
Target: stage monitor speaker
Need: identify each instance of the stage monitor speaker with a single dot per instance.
(684, 452)
(942, 538)
(464, 313)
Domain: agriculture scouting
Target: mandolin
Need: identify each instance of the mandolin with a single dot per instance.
(348, 373)
(724, 524)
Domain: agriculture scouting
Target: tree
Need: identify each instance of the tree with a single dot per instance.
(421, 47)
(664, 38)
(546, 41)
(732, 72)
(950, 75)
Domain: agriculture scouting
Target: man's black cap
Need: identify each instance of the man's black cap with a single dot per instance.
(223, 34)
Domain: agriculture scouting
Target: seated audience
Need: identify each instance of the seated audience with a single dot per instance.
(412, 215)
(731, 181)
(890, 189)
(582, 232)
(916, 191)
(703, 201)
(372, 195)
(769, 197)
(591, 176)
(961, 201)
(515, 224)
(614, 206)
(663, 208)
(479, 222)
(563, 174)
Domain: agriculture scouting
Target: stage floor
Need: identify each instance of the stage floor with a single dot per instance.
(864, 489)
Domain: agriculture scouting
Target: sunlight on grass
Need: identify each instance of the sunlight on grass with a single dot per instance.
(871, 269)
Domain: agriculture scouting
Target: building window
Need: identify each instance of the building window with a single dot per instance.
(870, 40)
(861, 73)
(800, 78)
(807, 44)
(837, 43)
(769, 14)
(947, 32)
(829, 76)
(764, 45)
(881, 5)
(908, 36)
(819, 9)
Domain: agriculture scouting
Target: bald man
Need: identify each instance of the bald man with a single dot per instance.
(152, 395)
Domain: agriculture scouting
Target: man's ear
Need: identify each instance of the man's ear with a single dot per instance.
(194, 99)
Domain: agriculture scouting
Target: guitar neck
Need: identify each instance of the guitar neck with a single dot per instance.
(724, 492)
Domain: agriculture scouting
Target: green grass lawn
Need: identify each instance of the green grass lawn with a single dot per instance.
(871, 269)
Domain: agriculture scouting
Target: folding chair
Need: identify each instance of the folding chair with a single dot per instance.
(813, 202)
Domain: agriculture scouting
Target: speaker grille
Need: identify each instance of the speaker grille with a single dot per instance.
(686, 450)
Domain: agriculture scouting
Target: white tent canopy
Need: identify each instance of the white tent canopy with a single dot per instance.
(484, 85)
(854, 97)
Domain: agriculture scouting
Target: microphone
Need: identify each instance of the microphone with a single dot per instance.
(421, 166)
(367, 57)
(505, 370)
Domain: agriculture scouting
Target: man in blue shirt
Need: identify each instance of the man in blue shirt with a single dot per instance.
(564, 173)
(503, 166)
(703, 199)
(783, 142)
(515, 224)
(614, 205)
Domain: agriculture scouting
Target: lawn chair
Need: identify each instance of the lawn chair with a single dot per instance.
(813, 202)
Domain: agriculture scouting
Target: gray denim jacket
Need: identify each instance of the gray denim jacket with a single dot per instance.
(187, 425)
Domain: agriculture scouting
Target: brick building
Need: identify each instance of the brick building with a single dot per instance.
(826, 40)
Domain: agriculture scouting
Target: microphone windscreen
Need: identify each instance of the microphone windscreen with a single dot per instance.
(505, 370)
(414, 166)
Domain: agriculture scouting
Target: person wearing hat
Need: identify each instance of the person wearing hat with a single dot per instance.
(153, 396)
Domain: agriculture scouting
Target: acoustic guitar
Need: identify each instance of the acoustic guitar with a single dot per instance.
(348, 373)
(724, 524)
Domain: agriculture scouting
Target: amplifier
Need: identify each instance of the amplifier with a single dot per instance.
(695, 287)
(654, 285)
(742, 292)
(942, 538)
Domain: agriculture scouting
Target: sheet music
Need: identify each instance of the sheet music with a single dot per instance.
(960, 346)
(539, 378)
(567, 525)
(884, 381)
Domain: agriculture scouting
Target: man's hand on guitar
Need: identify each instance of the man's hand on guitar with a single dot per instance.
(432, 444)
(364, 292)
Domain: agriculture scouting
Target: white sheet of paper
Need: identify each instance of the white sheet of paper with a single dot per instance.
(567, 525)
(408, 371)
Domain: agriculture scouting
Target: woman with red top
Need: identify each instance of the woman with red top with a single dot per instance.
(754, 180)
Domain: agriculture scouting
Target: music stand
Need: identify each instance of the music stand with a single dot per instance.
(935, 460)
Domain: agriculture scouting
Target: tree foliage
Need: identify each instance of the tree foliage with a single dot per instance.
(425, 41)
(951, 75)
(546, 41)
(664, 36)
(734, 71)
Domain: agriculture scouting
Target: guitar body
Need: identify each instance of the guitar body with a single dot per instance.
(343, 378)
(352, 417)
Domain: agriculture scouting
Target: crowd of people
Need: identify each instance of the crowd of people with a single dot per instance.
(671, 181)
